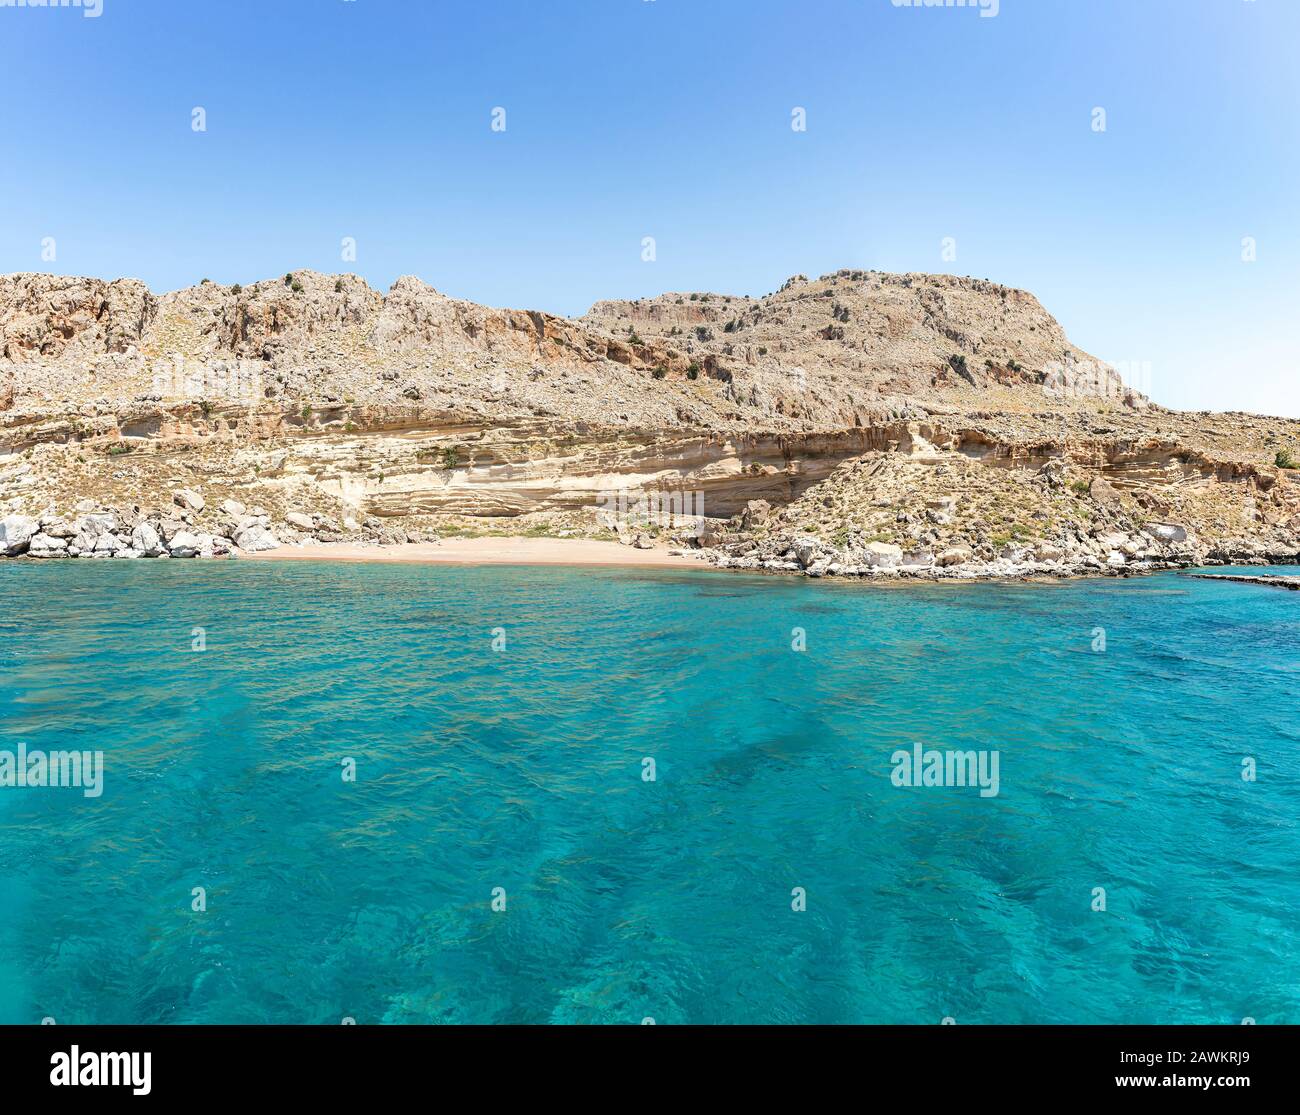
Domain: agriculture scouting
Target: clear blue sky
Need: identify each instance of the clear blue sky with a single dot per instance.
(672, 119)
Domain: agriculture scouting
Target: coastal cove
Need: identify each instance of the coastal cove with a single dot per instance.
(498, 721)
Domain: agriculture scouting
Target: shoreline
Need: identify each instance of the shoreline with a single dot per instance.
(583, 552)
(801, 558)
(488, 551)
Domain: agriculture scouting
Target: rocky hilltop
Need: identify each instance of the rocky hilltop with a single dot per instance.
(858, 423)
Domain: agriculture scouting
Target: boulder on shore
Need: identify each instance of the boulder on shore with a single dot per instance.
(47, 546)
(184, 545)
(16, 532)
(147, 540)
(254, 538)
(881, 555)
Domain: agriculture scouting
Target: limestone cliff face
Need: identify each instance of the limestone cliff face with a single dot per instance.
(48, 317)
(311, 392)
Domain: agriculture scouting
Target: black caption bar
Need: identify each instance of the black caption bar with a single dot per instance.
(341, 1062)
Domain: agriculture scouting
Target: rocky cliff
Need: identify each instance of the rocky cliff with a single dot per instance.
(852, 423)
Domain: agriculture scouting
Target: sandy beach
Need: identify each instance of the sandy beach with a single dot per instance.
(488, 551)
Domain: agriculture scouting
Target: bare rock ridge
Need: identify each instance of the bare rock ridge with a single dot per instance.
(865, 423)
(814, 355)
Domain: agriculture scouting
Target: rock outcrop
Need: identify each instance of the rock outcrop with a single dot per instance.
(49, 317)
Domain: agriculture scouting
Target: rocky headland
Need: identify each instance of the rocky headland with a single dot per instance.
(858, 424)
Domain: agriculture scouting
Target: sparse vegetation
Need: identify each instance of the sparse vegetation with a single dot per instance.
(1284, 459)
(659, 372)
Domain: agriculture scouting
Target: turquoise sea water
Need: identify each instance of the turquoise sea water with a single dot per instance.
(522, 769)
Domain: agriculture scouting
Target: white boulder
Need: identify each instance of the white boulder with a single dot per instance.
(254, 538)
(1166, 532)
(58, 528)
(47, 546)
(97, 523)
(183, 544)
(147, 540)
(880, 555)
(16, 532)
